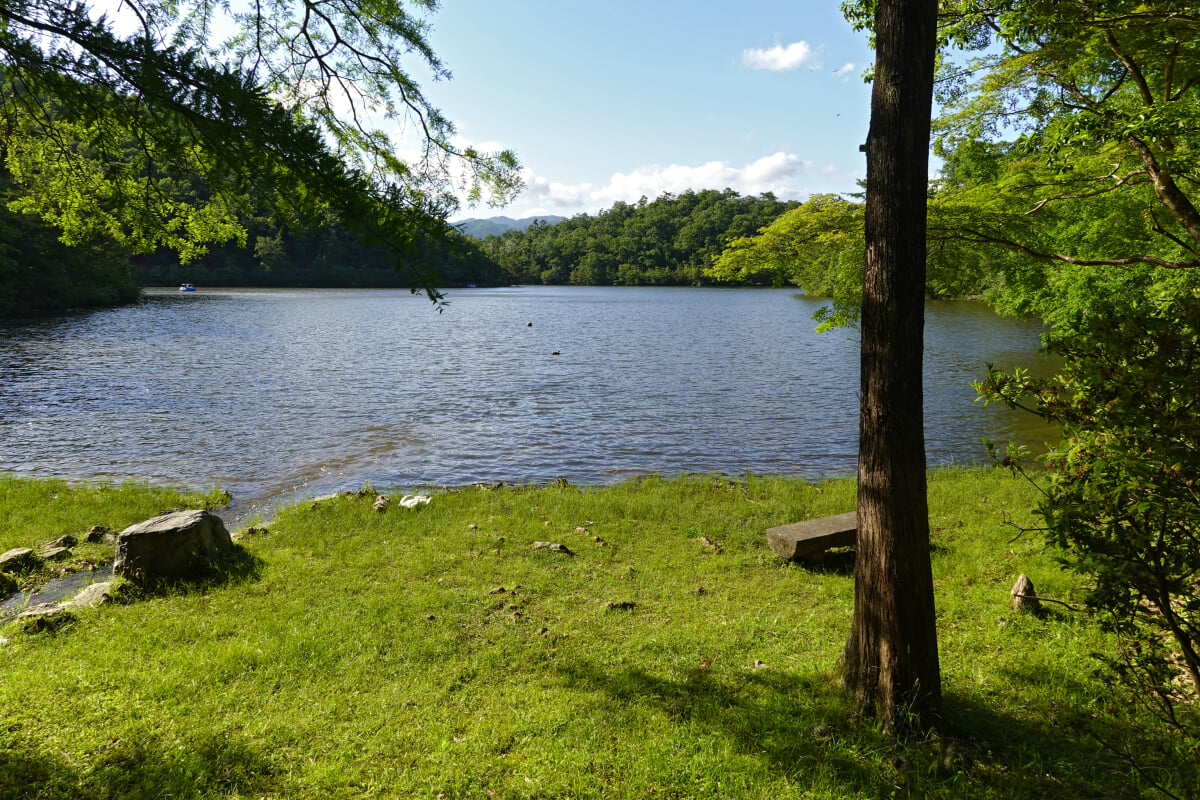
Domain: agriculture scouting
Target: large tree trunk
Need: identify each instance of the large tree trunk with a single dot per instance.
(891, 661)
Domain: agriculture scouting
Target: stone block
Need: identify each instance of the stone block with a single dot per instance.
(808, 540)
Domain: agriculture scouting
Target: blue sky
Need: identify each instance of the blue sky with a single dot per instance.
(613, 101)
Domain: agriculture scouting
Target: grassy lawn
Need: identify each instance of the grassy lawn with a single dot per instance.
(433, 653)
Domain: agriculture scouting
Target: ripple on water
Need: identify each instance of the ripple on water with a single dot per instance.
(279, 393)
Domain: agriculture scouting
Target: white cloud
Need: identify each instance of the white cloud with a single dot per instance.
(781, 173)
(780, 57)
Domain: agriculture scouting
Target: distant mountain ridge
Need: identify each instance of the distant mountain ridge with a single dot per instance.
(494, 226)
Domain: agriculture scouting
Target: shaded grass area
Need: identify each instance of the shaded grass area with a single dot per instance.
(431, 652)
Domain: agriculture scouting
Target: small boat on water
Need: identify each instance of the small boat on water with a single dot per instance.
(187, 287)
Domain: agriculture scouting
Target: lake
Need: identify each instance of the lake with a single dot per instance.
(275, 394)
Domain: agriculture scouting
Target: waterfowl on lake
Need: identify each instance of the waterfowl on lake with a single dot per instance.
(187, 287)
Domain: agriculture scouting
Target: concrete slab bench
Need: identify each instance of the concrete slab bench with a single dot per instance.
(808, 540)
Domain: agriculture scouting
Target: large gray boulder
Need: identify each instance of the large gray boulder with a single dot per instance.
(181, 544)
(19, 559)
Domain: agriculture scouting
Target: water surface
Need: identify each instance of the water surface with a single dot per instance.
(277, 393)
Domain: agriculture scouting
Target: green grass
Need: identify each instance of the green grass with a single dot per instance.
(35, 512)
(360, 654)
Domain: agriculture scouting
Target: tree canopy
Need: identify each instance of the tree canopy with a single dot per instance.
(159, 125)
(1102, 98)
(671, 240)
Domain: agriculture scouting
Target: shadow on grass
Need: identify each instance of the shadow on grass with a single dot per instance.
(237, 567)
(204, 764)
(801, 726)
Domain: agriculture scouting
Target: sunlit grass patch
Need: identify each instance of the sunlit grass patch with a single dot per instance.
(433, 651)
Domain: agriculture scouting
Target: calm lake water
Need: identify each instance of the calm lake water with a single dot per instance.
(275, 394)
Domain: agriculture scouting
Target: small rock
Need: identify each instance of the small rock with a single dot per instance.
(54, 553)
(66, 540)
(581, 529)
(19, 559)
(381, 503)
(91, 596)
(96, 533)
(553, 547)
(42, 617)
(1024, 598)
(253, 530)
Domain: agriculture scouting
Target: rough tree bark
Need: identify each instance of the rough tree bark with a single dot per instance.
(890, 662)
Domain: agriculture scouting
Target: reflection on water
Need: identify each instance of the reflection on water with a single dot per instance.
(276, 392)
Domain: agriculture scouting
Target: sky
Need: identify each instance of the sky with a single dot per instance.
(607, 102)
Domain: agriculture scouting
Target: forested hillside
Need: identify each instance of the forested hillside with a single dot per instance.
(670, 241)
(40, 274)
(325, 255)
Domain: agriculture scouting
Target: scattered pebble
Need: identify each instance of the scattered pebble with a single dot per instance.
(553, 547)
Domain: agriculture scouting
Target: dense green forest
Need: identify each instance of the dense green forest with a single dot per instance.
(39, 274)
(671, 241)
(322, 255)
